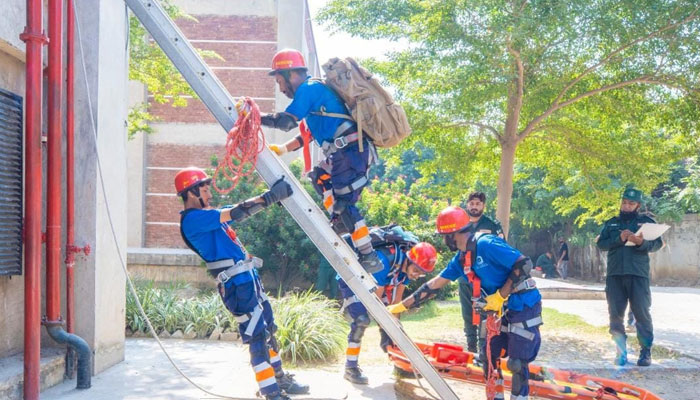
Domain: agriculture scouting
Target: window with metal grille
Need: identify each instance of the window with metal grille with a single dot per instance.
(10, 183)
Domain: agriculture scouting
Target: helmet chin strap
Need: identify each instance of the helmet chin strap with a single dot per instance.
(196, 192)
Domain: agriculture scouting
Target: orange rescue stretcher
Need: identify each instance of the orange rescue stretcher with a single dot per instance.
(454, 362)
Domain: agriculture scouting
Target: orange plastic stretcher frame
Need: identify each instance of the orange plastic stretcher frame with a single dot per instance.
(454, 362)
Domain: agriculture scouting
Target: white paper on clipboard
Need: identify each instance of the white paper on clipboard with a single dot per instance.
(650, 232)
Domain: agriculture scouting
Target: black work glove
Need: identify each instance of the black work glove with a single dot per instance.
(268, 120)
(279, 190)
(282, 120)
(384, 340)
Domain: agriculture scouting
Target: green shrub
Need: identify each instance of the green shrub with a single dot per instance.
(310, 328)
(168, 310)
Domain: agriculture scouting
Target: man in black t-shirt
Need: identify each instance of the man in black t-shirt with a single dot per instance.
(563, 262)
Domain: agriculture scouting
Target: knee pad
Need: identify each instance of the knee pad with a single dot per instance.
(516, 366)
(361, 323)
(258, 349)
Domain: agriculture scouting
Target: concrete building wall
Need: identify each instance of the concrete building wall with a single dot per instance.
(99, 281)
(678, 262)
(12, 78)
(679, 259)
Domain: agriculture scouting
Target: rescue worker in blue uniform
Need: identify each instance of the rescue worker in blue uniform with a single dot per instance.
(208, 232)
(341, 177)
(504, 275)
(401, 264)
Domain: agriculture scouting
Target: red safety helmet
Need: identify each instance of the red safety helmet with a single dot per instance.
(424, 256)
(287, 59)
(190, 177)
(452, 219)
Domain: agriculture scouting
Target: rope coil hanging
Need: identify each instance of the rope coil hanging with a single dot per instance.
(493, 329)
(243, 144)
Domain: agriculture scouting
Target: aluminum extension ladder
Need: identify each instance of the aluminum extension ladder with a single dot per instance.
(300, 205)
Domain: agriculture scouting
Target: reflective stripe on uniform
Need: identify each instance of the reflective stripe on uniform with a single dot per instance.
(264, 374)
(348, 301)
(241, 318)
(328, 199)
(360, 236)
(353, 351)
(274, 357)
(519, 397)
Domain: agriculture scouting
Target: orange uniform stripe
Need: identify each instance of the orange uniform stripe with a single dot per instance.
(328, 202)
(265, 374)
(360, 233)
(272, 353)
(352, 351)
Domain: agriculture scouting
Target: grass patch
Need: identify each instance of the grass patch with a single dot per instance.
(555, 321)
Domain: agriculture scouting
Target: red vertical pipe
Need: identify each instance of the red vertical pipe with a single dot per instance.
(70, 160)
(53, 185)
(34, 39)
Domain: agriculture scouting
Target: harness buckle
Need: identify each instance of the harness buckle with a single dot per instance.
(340, 142)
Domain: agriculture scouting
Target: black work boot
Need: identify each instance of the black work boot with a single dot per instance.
(287, 383)
(354, 375)
(371, 262)
(644, 357)
(277, 396)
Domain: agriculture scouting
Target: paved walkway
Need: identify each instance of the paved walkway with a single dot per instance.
(674, 312)
(221, 367)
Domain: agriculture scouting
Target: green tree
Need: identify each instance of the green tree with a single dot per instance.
(150, 66)
(597, 94)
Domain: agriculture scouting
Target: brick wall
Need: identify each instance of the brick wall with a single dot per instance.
(162, 205)
(246, 44)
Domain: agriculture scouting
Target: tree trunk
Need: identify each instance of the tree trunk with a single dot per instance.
(505, 183)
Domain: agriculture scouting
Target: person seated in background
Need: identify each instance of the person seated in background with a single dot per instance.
(546, 263)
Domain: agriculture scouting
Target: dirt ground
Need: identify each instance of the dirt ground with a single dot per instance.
(592, 354)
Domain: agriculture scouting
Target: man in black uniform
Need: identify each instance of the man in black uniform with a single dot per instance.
(480, 223)
(628, 275)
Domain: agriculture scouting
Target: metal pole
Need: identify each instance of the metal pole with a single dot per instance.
(53, 176)
(34, 39)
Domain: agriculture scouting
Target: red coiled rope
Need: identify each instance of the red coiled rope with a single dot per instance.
(243, 144)
(493, 329)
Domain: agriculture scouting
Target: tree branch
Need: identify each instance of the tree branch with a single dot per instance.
(622, 48)
(479, 125)
(530, 126)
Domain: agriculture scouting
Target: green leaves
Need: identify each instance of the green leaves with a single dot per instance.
(150, 66)
(595, 95)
